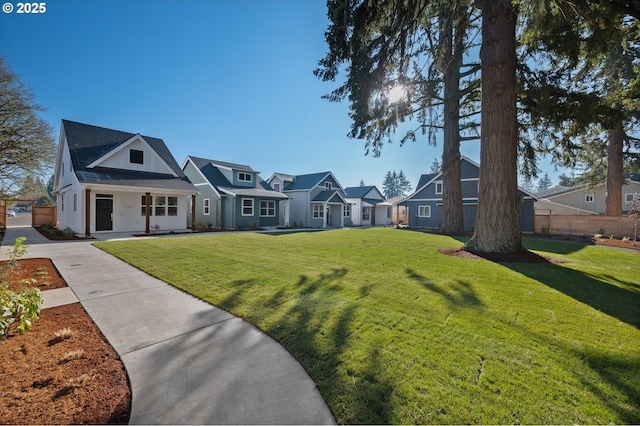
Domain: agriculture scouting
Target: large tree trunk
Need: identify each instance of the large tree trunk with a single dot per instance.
(452, 213)
(614, 171)
(497, 224)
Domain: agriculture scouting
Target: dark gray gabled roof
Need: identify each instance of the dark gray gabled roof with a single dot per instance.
(328, 196)
(358, 191)
(306, 182)
(202, 162)
(87, 143)
(424, 179)
(209, 168)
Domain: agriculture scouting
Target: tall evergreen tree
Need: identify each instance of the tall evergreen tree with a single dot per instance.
(415, 48)
(544, 183)
(588, 67)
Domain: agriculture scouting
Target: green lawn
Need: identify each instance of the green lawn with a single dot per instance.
(392, 331)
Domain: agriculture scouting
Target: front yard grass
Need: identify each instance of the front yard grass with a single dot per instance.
(392, 331)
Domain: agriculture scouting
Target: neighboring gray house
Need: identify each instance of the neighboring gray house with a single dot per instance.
(368, 206)
(317, 199)
(576, 201)
(112, 181)
(233, 195)
(425, 204)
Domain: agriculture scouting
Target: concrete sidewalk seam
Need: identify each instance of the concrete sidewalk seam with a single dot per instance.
(168, 339)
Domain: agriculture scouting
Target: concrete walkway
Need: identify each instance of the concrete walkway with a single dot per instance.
(188, 362)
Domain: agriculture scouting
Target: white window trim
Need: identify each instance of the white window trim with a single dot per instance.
(328, 186)
(428, 208)
(629, 197)
(206, 206)
(248, 177)
(366, 213)
(589, 198)
(252, 207)
(269, 203)
(276, 187)
(438, 184)
(318, 211)
(346, 211)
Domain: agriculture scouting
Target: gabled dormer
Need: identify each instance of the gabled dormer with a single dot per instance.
(237, 174)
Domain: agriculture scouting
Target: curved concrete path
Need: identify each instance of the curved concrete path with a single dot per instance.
(188, 362)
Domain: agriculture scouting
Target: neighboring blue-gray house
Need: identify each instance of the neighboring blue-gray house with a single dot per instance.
(233, 195)
(425, 204)
(368, 206)
(317, 200)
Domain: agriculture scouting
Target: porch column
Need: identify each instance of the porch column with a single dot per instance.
(325, 216)
(285, 206)
(193, 212)
(87, 212)
(342, 217)
(147, 202)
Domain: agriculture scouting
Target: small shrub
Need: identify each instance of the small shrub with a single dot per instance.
(597, 236)
(626, 239)
(77, 382)
(68, 232)
(602, 231)
(200, 226)
(64, 334)
(544, 231)
(254, 225)
(611, 237)
(18, 310)
(71, 355)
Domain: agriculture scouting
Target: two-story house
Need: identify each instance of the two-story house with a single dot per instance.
(424, 206)
(233, 196)
(317, 199)
(114, 181)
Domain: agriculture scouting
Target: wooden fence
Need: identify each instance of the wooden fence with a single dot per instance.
(41, 215)
(586, 225)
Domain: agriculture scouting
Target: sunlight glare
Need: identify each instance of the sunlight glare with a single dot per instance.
(397, 93)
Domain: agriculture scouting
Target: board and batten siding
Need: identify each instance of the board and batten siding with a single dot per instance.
(151, 160)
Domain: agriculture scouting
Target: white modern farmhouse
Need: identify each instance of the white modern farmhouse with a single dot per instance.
(113, 181)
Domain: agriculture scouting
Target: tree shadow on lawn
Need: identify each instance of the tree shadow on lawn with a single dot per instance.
(315, 327)
(620, 303)
(457, 294)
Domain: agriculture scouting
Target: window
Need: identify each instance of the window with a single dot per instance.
(346, 210)
(628, 198)
(276, 187)
(328, 186)
(588, 198)
(247, 207)
(136, 156)
(143, 211)
(75, 202)
(172, 203)
(424, 211)
(244, 177)
(160, 206)
(366, 213)
(206, 203)
(389, 212)
(267, 208)
(318, 211)
(62, 202)
(164, 206)
(62, 169)
(438, 188)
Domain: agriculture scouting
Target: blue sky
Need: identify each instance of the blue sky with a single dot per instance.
(227, 80)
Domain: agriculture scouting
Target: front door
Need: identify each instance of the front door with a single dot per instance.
(104, 214)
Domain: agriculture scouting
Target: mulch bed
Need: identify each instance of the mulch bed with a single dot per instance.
(520, 257)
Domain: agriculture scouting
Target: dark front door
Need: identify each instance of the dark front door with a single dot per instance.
(104, 214)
